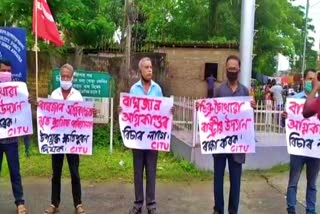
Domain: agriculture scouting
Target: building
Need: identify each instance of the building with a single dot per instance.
(188, 66)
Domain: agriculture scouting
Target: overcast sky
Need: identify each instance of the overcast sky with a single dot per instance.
(314, 14)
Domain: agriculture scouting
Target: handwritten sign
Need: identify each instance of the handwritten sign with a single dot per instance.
(15, 110)
(226, 125)
(302, 134)
(146, 122)
(65, 127)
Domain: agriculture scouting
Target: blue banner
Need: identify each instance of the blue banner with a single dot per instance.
(14, 49)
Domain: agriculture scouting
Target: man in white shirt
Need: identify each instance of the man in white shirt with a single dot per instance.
(65, 92)
(276, 91)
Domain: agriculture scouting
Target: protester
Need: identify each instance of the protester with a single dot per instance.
(297, 162)
(230, 88)
(312, 104)
(9, 146)
(145, 159)
(65, 92)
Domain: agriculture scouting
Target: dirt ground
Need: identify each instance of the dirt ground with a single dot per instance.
(257, 196)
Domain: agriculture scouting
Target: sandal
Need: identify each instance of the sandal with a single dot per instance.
(21, 209)
(80, 210)
(51, 209)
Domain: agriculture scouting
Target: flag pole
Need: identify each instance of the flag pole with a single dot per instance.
(36, 49)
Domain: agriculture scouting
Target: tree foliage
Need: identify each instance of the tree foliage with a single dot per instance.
(279, 26)
(88, 23)
(92, 23)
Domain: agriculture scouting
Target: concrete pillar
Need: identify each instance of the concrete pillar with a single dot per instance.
(246, 40)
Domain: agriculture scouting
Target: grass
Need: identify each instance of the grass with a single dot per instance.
(278, 169)
(103, 166)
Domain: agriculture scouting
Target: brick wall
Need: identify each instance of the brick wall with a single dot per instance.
(185, 68)
(103, 62)
(180, 71)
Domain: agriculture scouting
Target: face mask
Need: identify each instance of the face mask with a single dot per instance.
(5, 76)
(308, 86)
(232, 76)
(65, 85)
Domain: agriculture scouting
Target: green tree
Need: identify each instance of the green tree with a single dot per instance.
(84, 23)
(174, 20)
(91, 23)
(278, 23)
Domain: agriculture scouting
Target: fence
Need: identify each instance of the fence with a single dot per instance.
(267, 118)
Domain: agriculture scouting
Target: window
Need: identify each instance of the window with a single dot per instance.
(211, 69)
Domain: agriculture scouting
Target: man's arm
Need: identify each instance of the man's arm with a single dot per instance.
(312, 104)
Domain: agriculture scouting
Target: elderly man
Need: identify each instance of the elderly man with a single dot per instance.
(65, 92)
(145, 159)
(9, 146)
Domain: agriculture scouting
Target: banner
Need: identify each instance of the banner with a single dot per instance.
(15, 110)
(65, 127)
(146, 122)
(13, 48)
(226, 125)
(302, 134)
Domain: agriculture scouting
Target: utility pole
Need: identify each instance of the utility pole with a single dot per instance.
(303, 67)
(128, 5)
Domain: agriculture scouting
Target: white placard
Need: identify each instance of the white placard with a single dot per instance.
(15, 110)
(302, 134)
(226, 125)
(146, 122)
(65, 127)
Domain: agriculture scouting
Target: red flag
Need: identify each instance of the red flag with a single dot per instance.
(43, 24)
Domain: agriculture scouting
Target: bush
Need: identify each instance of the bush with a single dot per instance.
(101, 135)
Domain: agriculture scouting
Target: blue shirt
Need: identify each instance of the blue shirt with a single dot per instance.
(154, 90)
(301, 95)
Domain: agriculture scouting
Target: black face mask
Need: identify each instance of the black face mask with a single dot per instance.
(232, 76)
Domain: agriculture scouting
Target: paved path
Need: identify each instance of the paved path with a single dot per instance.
(258, 197)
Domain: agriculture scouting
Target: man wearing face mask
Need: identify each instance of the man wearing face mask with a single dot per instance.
(297, 162)
(9, 147)
(230, 88)
(65, 92)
